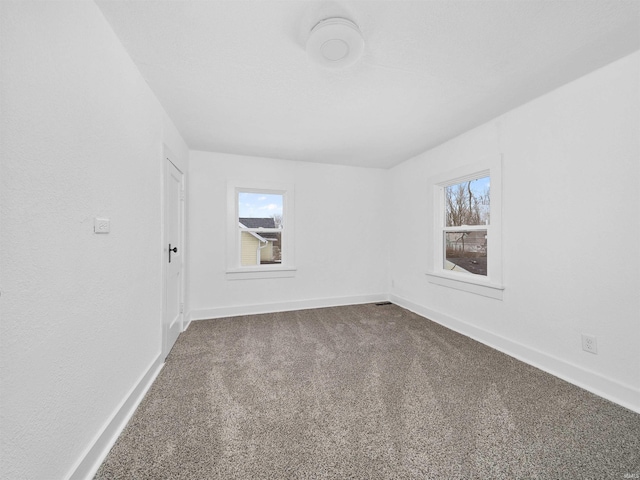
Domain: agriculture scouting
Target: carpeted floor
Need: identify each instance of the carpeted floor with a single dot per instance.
(363, 392)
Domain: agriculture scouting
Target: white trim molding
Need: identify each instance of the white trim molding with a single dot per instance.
(477, 286)
(89, 462)
(617, 392)
(490, 285)
(235, 311)
(286, 269)
(255, 273)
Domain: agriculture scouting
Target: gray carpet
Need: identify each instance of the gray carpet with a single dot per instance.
(366, 392)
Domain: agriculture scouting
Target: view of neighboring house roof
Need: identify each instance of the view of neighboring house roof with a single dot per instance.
(258, 222)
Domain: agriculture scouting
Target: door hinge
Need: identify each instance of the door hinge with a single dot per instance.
(182, 308)
(182, 195)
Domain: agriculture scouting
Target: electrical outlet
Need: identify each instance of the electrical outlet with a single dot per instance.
(101, 225)
(589, 344)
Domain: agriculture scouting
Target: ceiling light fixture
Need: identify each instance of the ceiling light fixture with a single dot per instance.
(335, 43)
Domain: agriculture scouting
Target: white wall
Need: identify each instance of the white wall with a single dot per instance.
(82, 136)
(571, 215)
(340, 235)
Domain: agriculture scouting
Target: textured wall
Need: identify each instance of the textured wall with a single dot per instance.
(570, 219)
(81, 136)
(340, 238)
(81, 313)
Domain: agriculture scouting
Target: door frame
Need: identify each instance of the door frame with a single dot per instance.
(168, 156)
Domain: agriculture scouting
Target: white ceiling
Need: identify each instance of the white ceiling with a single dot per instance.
(234, 75)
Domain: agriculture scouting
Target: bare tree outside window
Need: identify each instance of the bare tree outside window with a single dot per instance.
(277, 219)
(467, 203)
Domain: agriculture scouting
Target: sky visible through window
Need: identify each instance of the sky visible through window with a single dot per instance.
(480, 186)
(259, 205)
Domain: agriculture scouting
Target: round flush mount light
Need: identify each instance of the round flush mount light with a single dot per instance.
(335, 43)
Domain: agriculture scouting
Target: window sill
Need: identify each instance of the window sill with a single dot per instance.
(475, 286)
(255, 273)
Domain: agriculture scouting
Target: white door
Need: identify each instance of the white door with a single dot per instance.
(173, 251)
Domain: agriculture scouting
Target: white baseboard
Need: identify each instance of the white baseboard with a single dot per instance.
(187, 322)
(625, 395)
(235, 311)
(89, 462)
(593, 382)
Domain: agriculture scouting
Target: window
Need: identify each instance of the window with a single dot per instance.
(261, 228)
(260, 232)
(466, 219)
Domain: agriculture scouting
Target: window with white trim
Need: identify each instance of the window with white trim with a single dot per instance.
(259, 231)
(261, 227)
(467, 208)
(466, 217)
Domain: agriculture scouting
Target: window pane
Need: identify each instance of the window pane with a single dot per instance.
(256, 213)
(260, 205)
(260, 248)
(466, 252)
(467, 203)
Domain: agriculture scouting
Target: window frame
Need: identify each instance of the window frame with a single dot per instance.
(235, 270)
(490, 285)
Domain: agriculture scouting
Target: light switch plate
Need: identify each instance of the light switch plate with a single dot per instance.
(101, 225)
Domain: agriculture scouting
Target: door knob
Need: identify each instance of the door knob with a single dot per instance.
(174, 250)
